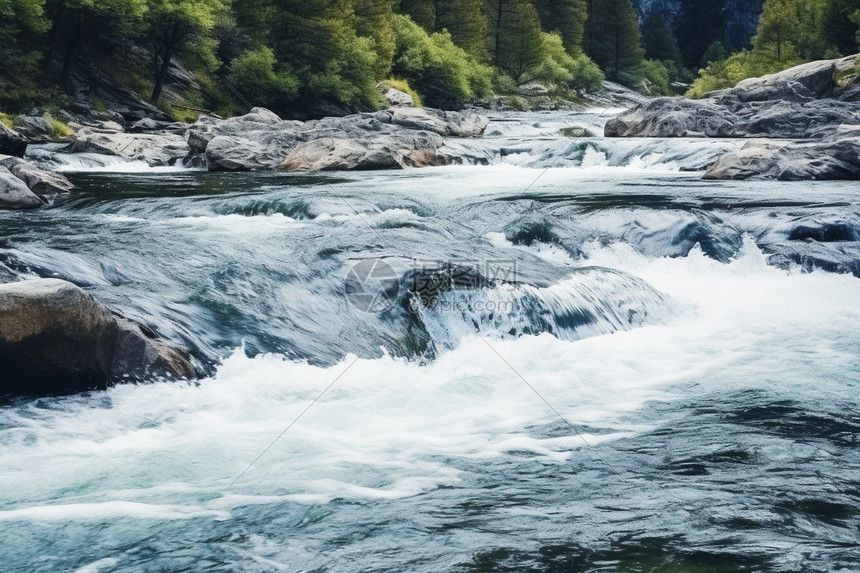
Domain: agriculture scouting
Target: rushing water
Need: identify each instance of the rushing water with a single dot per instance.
(635, 370)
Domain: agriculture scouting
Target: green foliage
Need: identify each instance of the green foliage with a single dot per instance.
(262, 81)
(715, 53)
(440, 71)
(178, 27)
(516, 45)
(657, 77)
(660, 41)
(702, 23)
(839, 30)
(567, 17)
(739, 66)
(465, 20)
(558, 67)
(403, 85)
(59, 129)
(318, 39)
(855, 17)
(613, 40)
(6, 120)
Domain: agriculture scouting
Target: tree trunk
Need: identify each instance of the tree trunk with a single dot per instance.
(71, 50)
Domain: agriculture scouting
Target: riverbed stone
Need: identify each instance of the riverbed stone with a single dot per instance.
(56, 338)
(14, 193)
(39, 181)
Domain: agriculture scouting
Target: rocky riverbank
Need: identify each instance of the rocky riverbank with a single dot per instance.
(814, 108)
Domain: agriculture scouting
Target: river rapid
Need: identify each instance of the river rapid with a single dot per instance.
(572, 354)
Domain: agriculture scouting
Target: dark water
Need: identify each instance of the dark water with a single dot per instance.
(667, 381)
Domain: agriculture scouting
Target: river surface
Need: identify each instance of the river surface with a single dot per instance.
(578, 357)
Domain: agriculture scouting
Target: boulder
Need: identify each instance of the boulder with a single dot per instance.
(14, 194)
(800, 102)
(35, 129)
(37, 180)
(397, 98)
(370, 153)
(56, 338)
(154, 149)
(11, 142)
(389, 139)
(533, 89)
(837, 159)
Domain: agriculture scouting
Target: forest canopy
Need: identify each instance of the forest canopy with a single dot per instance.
(295, 56)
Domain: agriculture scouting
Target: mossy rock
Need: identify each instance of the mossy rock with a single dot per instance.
(577, 132)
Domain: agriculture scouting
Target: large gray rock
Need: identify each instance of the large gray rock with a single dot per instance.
(371, 153)
(11, 142)
(35, 129)
(55, 338)
(389, 139)
(813, 102)
(791, 161)
(14, 194)
(154, 149)
(37, 180)
(802, 102)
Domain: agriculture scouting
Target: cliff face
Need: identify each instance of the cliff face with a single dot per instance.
(741, 17)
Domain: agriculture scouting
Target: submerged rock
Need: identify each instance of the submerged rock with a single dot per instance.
(54, 337)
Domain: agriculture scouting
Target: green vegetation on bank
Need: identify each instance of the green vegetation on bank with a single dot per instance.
(790, 32)
(303, 57)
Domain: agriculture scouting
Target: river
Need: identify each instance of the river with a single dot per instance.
(578, 357)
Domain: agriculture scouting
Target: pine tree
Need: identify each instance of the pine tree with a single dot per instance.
(702, 23)
(659, 40)
(778, 30)
(613, 40)
(515, 36)
(465, 20)
(567, 17)
(839, 31)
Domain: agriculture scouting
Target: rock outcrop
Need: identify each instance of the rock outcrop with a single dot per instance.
(389, 139)
(24, 186)
(818, 102)
(56, 338)
(156, 150)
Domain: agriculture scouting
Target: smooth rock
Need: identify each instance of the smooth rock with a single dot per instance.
(155, 150)
(35, 129)
(389, 139)
(791, 161)
(55, 338)
(14, 193)
(37, 180)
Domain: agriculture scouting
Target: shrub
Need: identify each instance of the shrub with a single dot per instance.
(558, 67)
(443, 73)
(261, 80)
(656, 75)
(740, 66)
